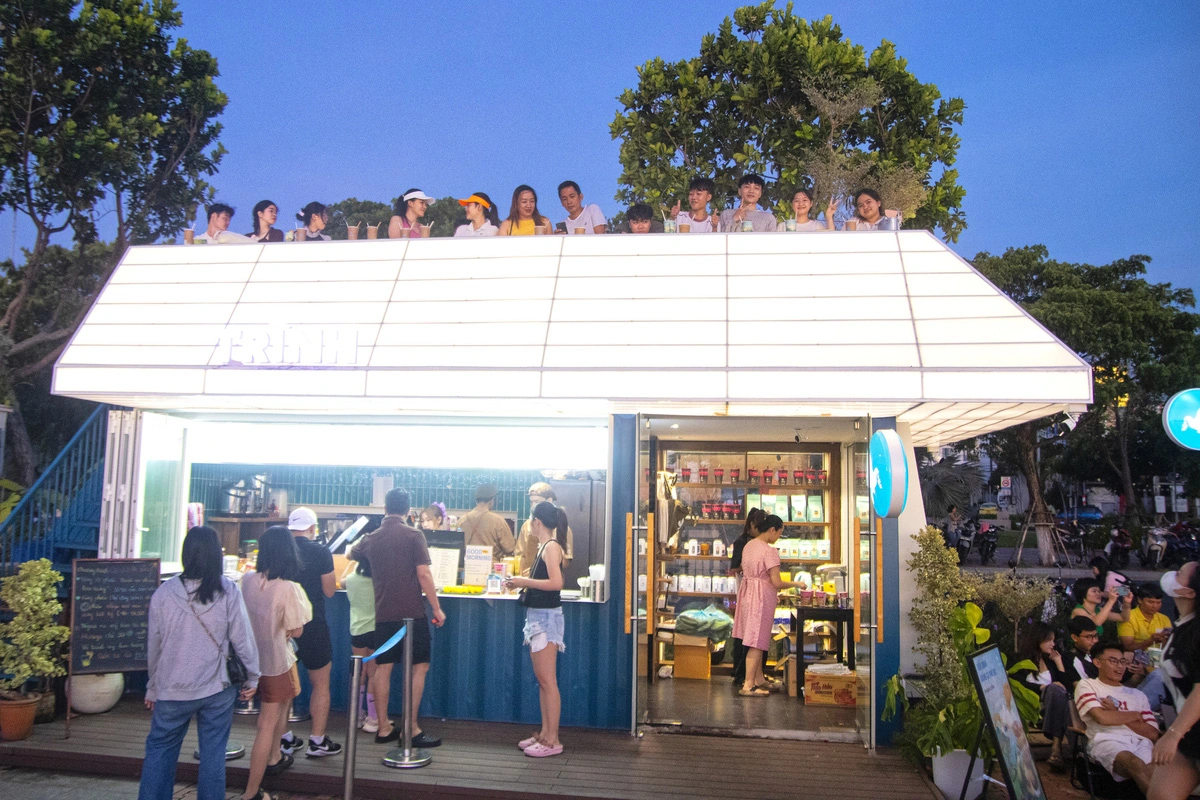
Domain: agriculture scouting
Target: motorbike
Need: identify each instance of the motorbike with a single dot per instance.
(1154, 547)
(1117, 550)
(966, 538)
(989, 535)
(1074, 539)
(1181, 545)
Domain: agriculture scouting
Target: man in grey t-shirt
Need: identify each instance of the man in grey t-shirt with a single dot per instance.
(750, 190)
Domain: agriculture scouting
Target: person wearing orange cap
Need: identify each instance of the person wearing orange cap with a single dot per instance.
(482, 219)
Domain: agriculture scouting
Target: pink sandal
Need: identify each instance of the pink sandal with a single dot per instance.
(539, 750)
(526, 743)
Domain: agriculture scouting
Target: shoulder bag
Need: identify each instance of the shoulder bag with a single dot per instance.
(234, 665)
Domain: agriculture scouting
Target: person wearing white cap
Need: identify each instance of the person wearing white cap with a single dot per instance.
(314, 648)
(409, 210)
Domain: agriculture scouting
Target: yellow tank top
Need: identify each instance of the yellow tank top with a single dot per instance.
(522, 227)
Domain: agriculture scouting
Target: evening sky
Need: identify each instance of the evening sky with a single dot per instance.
(1078, 132)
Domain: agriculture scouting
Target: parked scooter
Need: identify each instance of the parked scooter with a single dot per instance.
(966, 538)
(989, 535)
(1074, 539)
(1154, 546)
(1117, 550)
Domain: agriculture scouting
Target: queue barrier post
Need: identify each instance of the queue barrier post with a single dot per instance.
(352, 728)
(406, 757)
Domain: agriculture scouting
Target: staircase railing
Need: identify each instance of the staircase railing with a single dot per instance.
(59, 516)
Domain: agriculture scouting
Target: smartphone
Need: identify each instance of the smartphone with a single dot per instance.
(561, 227)
(1122, 590)
(1141, 657)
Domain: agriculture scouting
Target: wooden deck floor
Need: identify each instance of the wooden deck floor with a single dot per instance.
(481, 760)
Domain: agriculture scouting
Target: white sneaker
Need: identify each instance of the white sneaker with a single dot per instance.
(371, 726)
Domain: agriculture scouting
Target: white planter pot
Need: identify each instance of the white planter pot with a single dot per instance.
(950, 769)
(95, 694)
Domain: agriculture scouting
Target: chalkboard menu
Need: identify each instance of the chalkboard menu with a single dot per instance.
(110, 613)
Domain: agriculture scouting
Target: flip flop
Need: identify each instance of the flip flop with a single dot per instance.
(539, 750)
(753, 693)
(525, 743)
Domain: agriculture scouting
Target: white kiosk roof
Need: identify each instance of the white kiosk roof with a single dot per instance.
(776, 324)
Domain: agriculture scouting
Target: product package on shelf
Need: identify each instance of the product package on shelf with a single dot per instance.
(799, 507)
(822, 551)
(816, 507)
(687, 583)
(753, 500)
(804, 549)
(704, 583)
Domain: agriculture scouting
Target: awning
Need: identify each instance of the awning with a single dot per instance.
(779, 324)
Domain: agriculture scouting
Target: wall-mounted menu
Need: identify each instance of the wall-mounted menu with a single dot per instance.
(110, 613)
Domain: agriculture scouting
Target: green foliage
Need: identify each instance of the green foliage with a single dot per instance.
(1014, 597)
(445, 214)
(30, 642)
(358, 212)
(941, 589)
(948, 482)
(794, 100)
(13, 492)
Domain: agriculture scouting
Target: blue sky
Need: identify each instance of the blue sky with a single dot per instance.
(1078, 131)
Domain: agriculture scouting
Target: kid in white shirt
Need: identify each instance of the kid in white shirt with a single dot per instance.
(696, 218)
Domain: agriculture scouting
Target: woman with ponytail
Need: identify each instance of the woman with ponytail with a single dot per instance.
(313, 217)
(749, 531)
(540, 594)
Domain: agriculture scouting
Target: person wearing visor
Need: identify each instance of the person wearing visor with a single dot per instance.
(406, 224)
(481, 217)
(527, 543)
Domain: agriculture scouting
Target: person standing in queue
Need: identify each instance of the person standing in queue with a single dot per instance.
(753, 517)
(1176, 756)
(485, 528)
(360, 592)
(400, 572)
(527, 545)
(314, 648)
(544, 628)
(758, 595)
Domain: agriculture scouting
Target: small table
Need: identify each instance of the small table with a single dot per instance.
(842, 618)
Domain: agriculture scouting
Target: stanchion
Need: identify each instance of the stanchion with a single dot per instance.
(405, 757)
(352, 729)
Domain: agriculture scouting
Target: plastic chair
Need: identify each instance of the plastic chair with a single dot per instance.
(1089, 776)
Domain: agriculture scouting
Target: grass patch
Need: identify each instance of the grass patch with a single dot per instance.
(1010, 538)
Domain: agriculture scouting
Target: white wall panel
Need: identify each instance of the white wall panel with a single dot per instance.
(462, 333)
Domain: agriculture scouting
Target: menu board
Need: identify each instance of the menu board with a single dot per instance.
(443, 563)
(477, 565)
(110, 613)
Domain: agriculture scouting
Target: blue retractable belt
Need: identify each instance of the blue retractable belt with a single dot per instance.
(388, 645)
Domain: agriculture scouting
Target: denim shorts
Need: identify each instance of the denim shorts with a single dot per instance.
(544, 626)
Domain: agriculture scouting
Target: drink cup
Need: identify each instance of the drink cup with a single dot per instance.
(685, 227)
(789, 224)
(704, 474)
(301, 234)
(668, 226)
(189, 236)
(580, 231)
(719, 474)
(708, 510)
(798, 477)
(735, 475)
(351, 231)
(768, 475)
(425, 231)
(687, 474)
(372, 231)
(753, 476)
(822, 476)
(539, 230)
(747, 226)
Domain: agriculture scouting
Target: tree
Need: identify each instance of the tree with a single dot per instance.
(106, 121)
(357, 212)
(948, 482)
(1139, 337)
(797, 102)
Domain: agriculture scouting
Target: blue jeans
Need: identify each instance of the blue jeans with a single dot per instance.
(1154, 689)
(214, 716)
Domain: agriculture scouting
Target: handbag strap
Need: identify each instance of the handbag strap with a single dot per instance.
(202, 625)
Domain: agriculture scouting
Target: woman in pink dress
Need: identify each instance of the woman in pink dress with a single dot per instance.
(758, 594)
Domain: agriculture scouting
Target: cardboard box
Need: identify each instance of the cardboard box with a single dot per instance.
(692, 659)
(834, 690)
(791, 673)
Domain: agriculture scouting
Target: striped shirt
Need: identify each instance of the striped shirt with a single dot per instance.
(1088, 694)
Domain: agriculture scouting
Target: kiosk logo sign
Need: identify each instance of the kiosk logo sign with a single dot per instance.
(287, 346)
(1181, 419)
(889, 474)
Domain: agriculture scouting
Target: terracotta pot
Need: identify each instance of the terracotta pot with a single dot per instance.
(16, 718)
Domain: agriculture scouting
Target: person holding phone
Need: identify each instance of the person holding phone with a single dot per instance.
(1147, 626)
(1098, 605)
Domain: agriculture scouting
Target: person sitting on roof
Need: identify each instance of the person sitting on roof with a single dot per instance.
(580, 219)
(869, 214)
(313, 217)
(1121, 728)
(219, 217)
(639, 218)
(481, 217)
(696, 219)
(751, 188)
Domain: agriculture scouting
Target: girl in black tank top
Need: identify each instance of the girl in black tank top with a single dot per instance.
(541, 596)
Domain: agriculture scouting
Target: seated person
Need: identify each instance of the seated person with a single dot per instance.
(524, 219)
(1078, 663)
(1121, 729)
(313, 217)
(580, 218)
(1099, 606)
(751, 188)
(1147, 626)
(802, 206)
(696, 219)
(482, 219)
(1036, 644)
(266, 213)
(869, 214)
(219, 217)
(640, 219)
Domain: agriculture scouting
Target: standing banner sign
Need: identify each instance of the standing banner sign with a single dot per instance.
(1003, 721)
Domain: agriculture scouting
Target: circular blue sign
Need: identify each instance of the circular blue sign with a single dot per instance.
(889, 474)
(1181, 419)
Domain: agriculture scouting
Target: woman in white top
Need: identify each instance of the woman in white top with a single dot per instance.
(482, 219)
(869, 214)
(313, 217)
(802, 203)
(278, 609)
(406, 224)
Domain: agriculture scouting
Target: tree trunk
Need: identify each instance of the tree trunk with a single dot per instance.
(1039, 512)
(1132, 507)
(22, 464)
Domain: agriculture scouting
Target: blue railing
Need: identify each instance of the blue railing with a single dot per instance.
(59, 516)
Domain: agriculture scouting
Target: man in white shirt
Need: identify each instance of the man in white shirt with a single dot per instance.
(219, 217)
(750, 190)
(580, 218)
(697, 219)
(1121, 728)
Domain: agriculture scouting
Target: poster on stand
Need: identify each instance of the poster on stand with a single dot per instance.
(1004, 723)
(477, 565)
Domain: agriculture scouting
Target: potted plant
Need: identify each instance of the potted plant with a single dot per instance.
(29, 643)
(944, 726)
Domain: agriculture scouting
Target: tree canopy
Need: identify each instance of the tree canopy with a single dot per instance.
(107, 121)
(797, 102)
